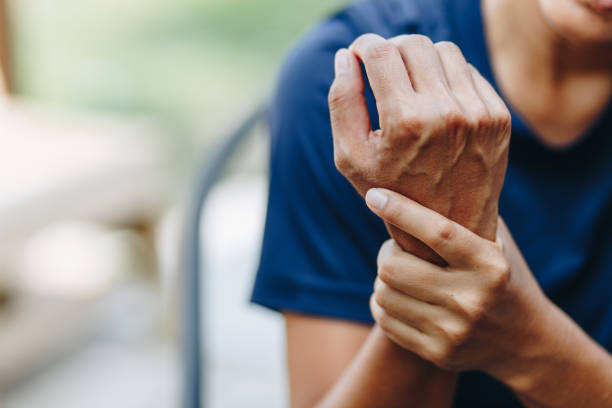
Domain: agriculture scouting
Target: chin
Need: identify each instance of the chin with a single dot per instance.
(578, 22)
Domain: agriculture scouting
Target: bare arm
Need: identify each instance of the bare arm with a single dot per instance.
(443, 141)
(483, 311)
(341, 364)
(444, 131)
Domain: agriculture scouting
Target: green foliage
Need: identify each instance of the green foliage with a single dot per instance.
(186, 60)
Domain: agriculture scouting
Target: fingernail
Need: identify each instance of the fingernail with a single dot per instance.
(376, 198)
(342, 61)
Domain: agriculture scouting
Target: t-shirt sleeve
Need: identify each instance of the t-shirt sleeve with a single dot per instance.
(320, 241)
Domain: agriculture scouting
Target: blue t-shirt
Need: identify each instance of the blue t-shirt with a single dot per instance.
(321, 241)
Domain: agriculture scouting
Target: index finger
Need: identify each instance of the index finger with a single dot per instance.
(454, 243)
(385, 69)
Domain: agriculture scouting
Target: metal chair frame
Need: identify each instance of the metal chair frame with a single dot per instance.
(192, 333)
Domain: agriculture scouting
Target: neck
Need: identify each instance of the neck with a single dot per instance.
(518, 29)
(557, 86)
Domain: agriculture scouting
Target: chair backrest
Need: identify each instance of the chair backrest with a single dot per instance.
(193, 375)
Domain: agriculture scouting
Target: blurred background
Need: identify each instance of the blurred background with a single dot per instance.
(108, 109)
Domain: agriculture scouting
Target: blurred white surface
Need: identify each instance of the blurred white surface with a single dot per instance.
(136, 376)
(128, 365)
(53, 261)
(78, 192)
(124, 364)
(56, 165)
(245, 343)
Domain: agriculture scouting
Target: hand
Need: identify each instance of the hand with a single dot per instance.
(483, 311)
(444, 132)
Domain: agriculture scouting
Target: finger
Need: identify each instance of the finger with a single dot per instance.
(460, 80)
(402, 334)
(407, 309)
(499, 114)
(386, 249)
(454, 243)
(347, 105)
(422, 61)
(385, 70)
(414, 276)
(488, 94)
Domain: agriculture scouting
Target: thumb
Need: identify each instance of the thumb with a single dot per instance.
(347, 106)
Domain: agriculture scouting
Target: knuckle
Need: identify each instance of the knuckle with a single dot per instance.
(389, 245)
(477, 311)
(453, 118)
(474, 306)
(405, 125)
(504, 113)
(338, 94)
(500, 275)
(498, 271)
(480, 117)
(451, 299)
(347, 164)
(385, 250)
(481, 114)
(383, 320)
(408, 124)
(442, 356)
(378, 49)
(448, 47)
(411, 42)
(457, 335)
(342, 161)
(473, 71)
(387, 272)
(367, 38)
(397, 113)
(381, 296)
(444, 232)
(503, 118)
(418, 40)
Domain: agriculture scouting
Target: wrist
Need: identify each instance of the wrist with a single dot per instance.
(556, 361)
(527, 367)
(479, 216)
(430, 385)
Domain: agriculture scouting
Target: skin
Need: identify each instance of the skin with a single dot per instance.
(444, 133)
(560, 83)
(483, 311)
(552, 60)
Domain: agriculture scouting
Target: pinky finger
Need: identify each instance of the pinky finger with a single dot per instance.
(400, 333)
(489, 95)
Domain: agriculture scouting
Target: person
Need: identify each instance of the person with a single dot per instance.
(428, 108)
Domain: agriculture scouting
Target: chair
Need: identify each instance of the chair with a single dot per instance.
(194, 375)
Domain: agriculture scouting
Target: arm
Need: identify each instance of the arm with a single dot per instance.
(444, 141)
(444, 132)
(565, 368)
(572, 370)
(484, 311)
(340, 364)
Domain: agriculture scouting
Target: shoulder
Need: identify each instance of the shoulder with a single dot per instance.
(315, 258)
(308, 70)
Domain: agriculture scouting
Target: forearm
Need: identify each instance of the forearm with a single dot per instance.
(383, 374)
(564, 369)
